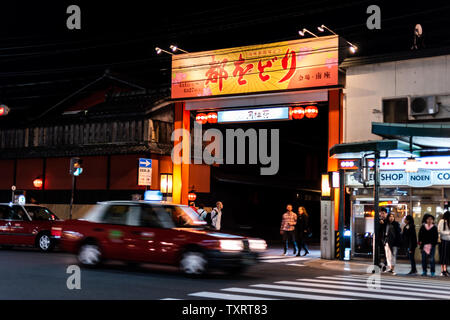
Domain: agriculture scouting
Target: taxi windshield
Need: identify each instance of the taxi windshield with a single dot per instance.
(40, 213)
(184, 216)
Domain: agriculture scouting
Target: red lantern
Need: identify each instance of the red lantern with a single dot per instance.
(37, 183)
(311, 112)
(201, 118)
(297, 113)
(192, 196)
(212, 117)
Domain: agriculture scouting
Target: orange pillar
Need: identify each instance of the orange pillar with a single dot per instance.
(335, 134)
(181, 171)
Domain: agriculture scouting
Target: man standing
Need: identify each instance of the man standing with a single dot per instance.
(381, 237)
(287, 230)
(216, 215)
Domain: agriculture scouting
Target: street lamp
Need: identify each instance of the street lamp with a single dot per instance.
(159, 50)
(175, 48)
(352, 47)
(302, 32)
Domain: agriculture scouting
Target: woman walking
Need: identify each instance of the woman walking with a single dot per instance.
(409, 238)
(391, 242)
(444, 246)
(302, 230)
(428, 237)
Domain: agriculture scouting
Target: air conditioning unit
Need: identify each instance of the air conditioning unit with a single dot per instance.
(419, 106)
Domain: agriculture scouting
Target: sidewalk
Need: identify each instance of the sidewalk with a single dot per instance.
(361, 265)
(356, 265)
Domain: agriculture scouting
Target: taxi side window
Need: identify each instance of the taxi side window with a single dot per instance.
(5, 212)
(19, 214)
(149, 218)
(116, 214)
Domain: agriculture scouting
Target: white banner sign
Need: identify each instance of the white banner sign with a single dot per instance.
(420, 179)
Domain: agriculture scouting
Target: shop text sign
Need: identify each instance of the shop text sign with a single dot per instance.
(281, 113)
(294, 64)
(420, 179)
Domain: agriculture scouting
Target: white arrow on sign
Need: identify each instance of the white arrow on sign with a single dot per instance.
(146, 162)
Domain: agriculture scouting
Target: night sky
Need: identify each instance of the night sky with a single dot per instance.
(121, 36)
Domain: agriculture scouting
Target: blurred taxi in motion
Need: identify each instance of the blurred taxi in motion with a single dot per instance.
(148, 232)
(28, 225)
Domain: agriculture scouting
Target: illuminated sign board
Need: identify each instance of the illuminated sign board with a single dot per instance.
(420, 179)
(295, 64)
(281, 113)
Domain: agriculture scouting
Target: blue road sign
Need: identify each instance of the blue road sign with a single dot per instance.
(145, 163)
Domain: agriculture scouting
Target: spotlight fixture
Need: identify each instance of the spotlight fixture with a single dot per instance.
(159, 50)
(302, 32)
(352, 47)
(175, 48)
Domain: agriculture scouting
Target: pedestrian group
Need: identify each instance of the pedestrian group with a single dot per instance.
(392, 237)
(295, 229)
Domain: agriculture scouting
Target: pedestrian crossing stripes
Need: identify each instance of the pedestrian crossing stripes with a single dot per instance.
(338, 287)
(278, 259)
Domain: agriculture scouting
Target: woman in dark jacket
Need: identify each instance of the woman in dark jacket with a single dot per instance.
(409, 238)
(392, 241)
(428, 237)
(302, 230)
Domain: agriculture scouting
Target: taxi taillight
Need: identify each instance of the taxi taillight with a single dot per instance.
(56, 232)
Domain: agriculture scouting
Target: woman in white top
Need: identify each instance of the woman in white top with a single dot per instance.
(444, 246)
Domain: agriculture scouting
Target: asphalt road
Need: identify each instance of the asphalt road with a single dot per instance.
(29, 274)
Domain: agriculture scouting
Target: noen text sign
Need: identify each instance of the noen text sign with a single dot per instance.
(295, 64)
(253, 115)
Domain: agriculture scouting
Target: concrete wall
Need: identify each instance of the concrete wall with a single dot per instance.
(366, 86)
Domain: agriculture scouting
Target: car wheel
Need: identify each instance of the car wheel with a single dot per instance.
(89, 255)
(44, 242)
(193, 263)
(7, 247)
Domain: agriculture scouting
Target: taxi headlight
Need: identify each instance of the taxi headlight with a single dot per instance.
(231, 245)
(257, 244)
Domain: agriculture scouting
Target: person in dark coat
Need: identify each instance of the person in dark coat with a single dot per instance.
(392, 241)
(428, 237)
(409, 238)
(302, 230)
(380, 237)
(444, 245)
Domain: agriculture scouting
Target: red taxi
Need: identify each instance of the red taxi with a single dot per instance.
(27, 225)
(142, 231)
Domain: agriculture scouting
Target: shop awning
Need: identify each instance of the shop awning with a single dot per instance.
(435, 135)
(394, 148)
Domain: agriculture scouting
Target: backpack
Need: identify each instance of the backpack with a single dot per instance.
(209, 217)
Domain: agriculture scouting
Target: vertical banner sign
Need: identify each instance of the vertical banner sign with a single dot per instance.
(327, 229)
(145, 172)
(295, 64)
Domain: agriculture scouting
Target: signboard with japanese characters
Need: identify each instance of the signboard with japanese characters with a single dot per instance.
(286, 65)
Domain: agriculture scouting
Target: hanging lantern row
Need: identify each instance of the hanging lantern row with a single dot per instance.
(310, 112)
(204, 118)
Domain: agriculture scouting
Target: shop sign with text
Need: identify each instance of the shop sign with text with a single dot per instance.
(420, 179)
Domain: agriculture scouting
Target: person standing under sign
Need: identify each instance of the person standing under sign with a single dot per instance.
(409, 238)
(391, 241)
(428, 237)
(216, 215)
(444, 245)
(287, 230)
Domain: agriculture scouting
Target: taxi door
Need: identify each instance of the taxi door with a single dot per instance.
(5, 224)
(21, 227)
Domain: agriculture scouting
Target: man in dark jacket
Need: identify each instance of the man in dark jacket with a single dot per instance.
(409, 238)
(380, 238)
(392, 241)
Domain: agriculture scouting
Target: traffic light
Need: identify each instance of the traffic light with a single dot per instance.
(75, 166)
